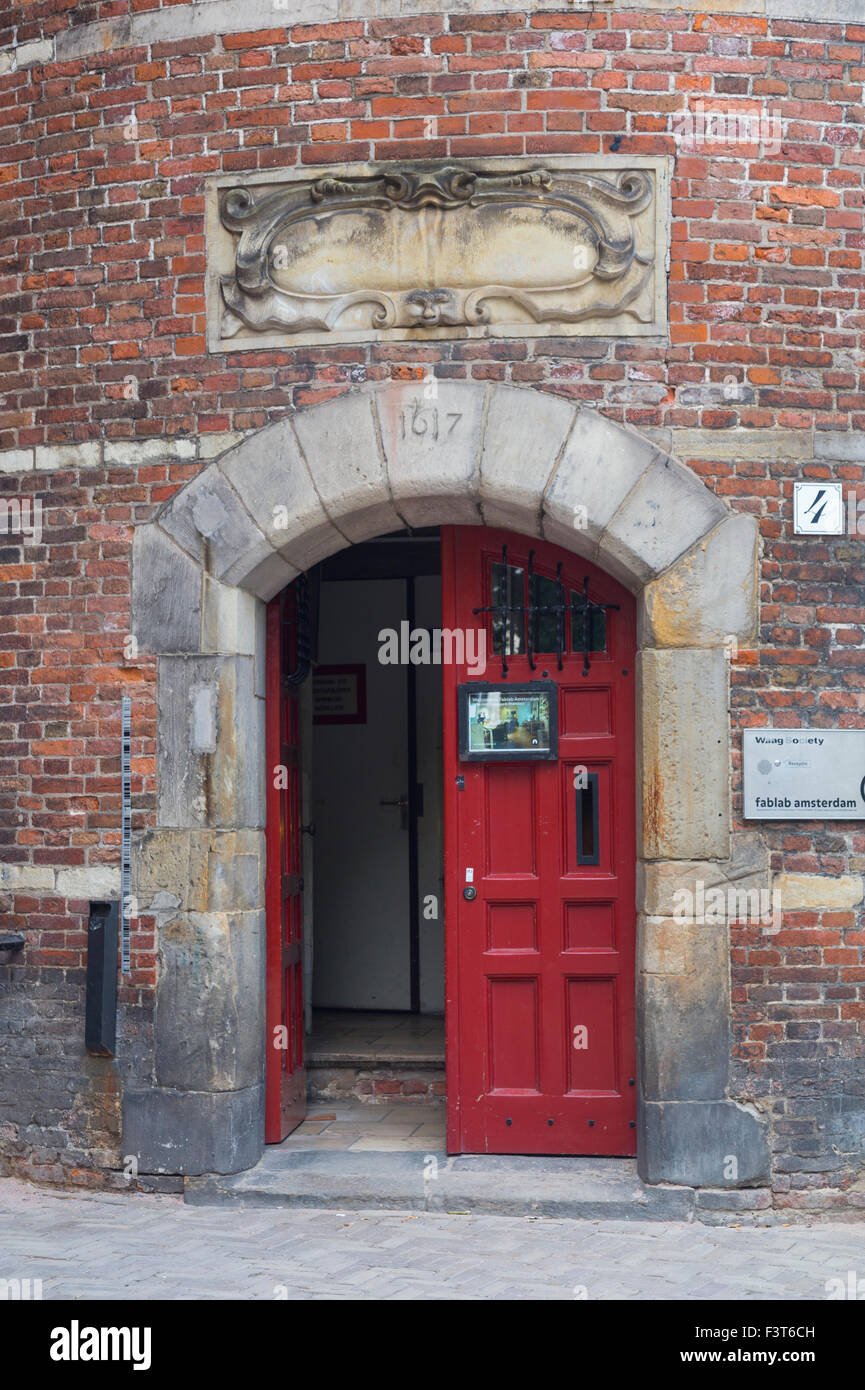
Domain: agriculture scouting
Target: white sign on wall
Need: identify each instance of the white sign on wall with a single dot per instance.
(804, 774)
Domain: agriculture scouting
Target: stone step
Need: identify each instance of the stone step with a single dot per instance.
(376, 1080)
(585, 1188)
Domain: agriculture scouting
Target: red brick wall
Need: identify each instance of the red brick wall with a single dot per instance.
(103, 281)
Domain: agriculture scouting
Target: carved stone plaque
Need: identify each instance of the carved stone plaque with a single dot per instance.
(461, 249)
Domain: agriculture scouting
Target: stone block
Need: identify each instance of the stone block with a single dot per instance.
(683, 752)
(666, 512)
(166, 593)
(211, 446)
(52, 457)
(685, 1039)
(39, 51)
(229, 618)
(340, 444)
(709, 594)
(212, 979)
(431, 448)
(600, 465)
(210, 760)
(17, 461)
(142, 453)
(512, 479)
(189, 1132)
(268, 471)
(737, 444)
(746, 871)
(806, 892)
(840, 446)
(210, 522)
(698, 1143)
(98, 881)
(260, 649)
(24, 878)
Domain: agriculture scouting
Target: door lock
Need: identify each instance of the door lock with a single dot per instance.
(469, 893)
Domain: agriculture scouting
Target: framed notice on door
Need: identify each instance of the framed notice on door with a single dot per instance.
(339, 694)
(499, 723)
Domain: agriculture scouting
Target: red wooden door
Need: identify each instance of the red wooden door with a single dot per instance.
(285, 1078)
(540, 963)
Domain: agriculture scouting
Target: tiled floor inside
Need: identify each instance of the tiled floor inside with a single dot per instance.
(344, 1036)
(355, 1125)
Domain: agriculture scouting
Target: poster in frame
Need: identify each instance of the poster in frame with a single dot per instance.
(508, 723)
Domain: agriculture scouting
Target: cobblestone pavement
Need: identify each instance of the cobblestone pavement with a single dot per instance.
(138, 1247)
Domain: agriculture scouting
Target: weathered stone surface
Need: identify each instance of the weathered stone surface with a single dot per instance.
(208, 519)
(846, 447)
(431, 443)
(19, 878)
(17, 461)
(235, 871)
(211, 446)
(139, 453)
(210, 761)
(667, 512)
(172, 1131)
(94, 881)
(661, 946)
(743, 444)
(202, 870)
(710, 594)
(160, 864)
(260, 649)
(39, 51)
(693, 1143)
(166, 593)
(409, 252)
(51, 457)
(685, 1041)
(228, 620)
(745, 871)
(270, 473)
(600, 465)
(804, 892)
(684, 760)
(212, 977)
(341, 447)
(514, 478)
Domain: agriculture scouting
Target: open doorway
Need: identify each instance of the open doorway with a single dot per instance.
(375, 963)
(494, 781)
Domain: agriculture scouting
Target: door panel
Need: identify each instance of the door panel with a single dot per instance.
(540, 964)
(285, 1077)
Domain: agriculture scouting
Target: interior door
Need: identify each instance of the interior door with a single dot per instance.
(285, 1077)
(540, 859)
(361, 808)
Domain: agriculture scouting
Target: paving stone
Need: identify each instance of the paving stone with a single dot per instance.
(137, 1247)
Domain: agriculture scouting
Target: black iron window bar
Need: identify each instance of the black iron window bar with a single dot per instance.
(303, 641)
(587, 608)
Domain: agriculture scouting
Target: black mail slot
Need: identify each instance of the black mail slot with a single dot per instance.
(100, 1012)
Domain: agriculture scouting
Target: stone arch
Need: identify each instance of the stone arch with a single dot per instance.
(333, 474)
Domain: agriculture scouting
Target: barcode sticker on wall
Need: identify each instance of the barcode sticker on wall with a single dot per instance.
(125, 831)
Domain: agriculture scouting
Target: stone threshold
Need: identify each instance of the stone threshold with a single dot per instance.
(589, 1189)
(367, 1058)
